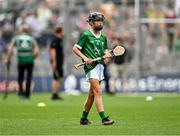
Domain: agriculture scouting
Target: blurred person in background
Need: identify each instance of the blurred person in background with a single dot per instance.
(106, 79)
(93, 44)
(3, 47)
(57, 59)
(3, 51)
(27, 51)
(6, 25)
(117, 67)
(176, 47)
(170, 27)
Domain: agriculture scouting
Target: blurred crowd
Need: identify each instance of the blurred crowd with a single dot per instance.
(43, 15)
(161, 39)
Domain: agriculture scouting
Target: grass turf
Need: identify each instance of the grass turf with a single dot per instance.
(133, 115)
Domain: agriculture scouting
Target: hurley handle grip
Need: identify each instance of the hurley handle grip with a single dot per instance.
(83, 63)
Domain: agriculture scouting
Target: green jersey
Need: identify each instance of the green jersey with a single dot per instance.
(25, 45)
(92, 47)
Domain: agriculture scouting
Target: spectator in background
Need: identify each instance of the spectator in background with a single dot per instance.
(106, 79)
(44, 13)
(162, 50)
(27, 51)
(176, 47)
(118, 67)
(3, 47)
(7, 28)
(32, 20)
(110, 12)
(57, 58)
(21, 19)
(170, 27)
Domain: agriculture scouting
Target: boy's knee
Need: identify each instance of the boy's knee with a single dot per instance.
(97, 93)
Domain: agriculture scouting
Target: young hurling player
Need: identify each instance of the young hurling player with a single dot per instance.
(93, 44)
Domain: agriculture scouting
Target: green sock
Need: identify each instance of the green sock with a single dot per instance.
(84, 115)
(102, 115)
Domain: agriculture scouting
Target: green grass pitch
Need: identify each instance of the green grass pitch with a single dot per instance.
(133, 115)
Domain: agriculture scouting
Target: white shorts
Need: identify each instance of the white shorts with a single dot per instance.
(96, 73)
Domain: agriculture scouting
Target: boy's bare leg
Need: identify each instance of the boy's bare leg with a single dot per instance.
(87, 107)
(96, 88)
(95, 84)
(95, 94)
(89, 101)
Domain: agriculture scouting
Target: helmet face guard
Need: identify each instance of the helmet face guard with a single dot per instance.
(96, 16)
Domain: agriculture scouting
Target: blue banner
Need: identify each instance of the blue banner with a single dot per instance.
(152, 83)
